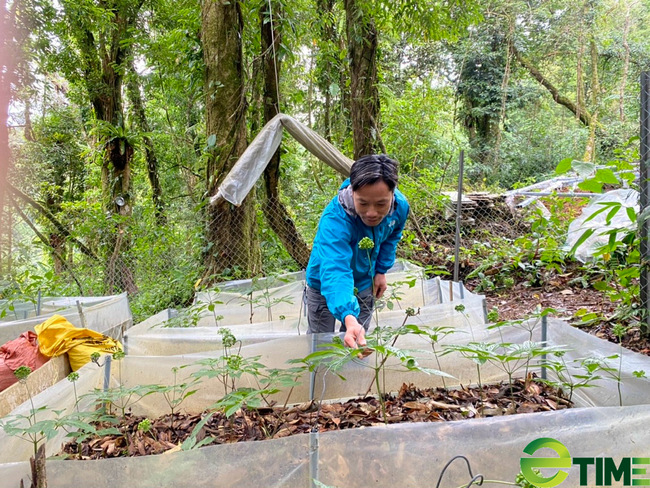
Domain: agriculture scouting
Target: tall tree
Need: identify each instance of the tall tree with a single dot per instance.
(231, 231)
(332, 74)
(140, 117)
(274, 210)
(482, 67)
(103, 45)
(362, 52)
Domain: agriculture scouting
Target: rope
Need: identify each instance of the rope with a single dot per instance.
(275, 66)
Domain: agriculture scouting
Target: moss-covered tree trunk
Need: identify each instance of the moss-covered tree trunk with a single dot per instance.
(274, 210)
(231, 231)
(364, 97)
(103, 61)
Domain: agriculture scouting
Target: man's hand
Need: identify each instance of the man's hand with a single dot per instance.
(380, 285)
(354, 333)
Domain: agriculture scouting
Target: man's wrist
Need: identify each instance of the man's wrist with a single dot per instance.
(350, 320)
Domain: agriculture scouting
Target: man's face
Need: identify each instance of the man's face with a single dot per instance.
(373, 202)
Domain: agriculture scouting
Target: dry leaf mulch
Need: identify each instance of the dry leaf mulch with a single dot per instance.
(409, 405)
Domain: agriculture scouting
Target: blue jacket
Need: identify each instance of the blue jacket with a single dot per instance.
(337, 265)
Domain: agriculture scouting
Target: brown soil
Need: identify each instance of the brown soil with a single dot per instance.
(521, 301)
(409, 405)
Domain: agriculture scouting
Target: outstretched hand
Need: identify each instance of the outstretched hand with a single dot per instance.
(355, 336)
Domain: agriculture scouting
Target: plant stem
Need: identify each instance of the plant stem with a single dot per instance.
(383, 361)
(433, 346)
(480, 386)
(620, 367)
(32, 416)
(76, 399)
(381, 396)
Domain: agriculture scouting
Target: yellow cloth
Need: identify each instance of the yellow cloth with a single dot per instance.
(57, 336)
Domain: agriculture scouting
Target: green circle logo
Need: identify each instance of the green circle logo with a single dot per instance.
(529, 464)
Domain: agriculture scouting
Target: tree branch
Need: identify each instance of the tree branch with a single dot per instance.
(580, 112)
(48, 215)
(47, 242)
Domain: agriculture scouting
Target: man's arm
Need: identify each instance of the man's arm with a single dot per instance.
(335, 254)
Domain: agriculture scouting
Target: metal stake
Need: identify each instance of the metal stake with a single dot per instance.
(459, 198)
(544, 337)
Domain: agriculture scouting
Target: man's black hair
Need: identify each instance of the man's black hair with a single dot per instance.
(368, 170)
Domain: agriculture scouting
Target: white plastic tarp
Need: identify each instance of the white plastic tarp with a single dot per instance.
(246, 306)
(147, 340)
(46, 305)
(110, 315)
(250, 166)
(402, 455)
(628, 198)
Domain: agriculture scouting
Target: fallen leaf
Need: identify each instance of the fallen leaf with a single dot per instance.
(416, 406)
(176, 448)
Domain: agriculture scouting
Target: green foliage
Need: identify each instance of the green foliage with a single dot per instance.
(120, 398)
(382, 342)
(19, 296)
(144, 426)
(22, 373)
(393, 295)
(570, 382)
(176, 393)
(191, 441)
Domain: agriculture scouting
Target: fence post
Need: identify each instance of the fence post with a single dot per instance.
(459, 203)
(644, 183)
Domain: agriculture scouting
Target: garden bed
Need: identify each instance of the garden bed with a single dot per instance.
(141, 436)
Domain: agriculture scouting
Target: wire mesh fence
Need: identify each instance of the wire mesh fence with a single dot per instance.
(644, 173)
(91, 253)
(86, 251)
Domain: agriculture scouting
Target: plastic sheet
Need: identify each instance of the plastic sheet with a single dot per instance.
(147, 340)
(404, 455)
(58, 397)
(281, 298)
(109, 315)
(628, 198)
(46, 305)
(248, 169)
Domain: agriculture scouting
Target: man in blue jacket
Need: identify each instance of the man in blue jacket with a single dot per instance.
(340, 277)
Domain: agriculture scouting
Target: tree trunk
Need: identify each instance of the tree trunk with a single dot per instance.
(480, 102)
(37, 464)
(231, 231)
(590, 150)
(328, 66)
(116, 171)
(362, 52)
(103, 62)
(626, 66)
(580, 83)
(140, 117)
(274, 210)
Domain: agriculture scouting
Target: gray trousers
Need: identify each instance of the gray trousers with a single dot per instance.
(321, 319)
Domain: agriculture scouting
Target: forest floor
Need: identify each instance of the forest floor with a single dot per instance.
(522, 300)
(410, 404)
